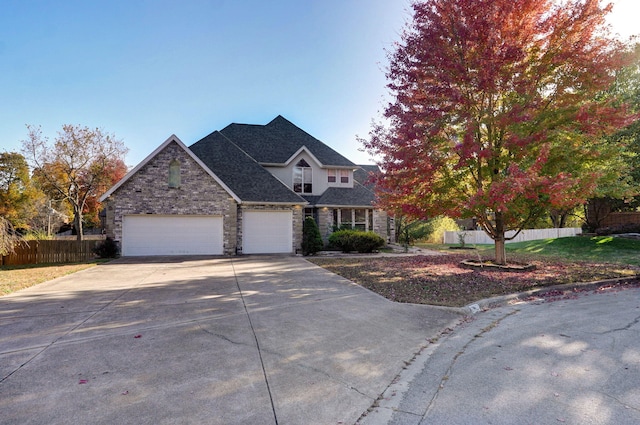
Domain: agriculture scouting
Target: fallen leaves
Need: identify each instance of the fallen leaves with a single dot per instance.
(440, 280)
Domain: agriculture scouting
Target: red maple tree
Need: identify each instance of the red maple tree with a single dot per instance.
(499, 110)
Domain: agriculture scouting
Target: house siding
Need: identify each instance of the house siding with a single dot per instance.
(319, 174)
(148, 192)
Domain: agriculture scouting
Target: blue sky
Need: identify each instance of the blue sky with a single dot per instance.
(146, 69)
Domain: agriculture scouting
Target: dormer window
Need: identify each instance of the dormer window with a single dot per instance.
(174, 174)
(344, 176)
(331, 175)
(302, 177)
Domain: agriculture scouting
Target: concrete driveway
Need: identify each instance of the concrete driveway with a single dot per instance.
(250, 340)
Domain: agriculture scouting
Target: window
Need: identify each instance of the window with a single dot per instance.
(302, 177)
(346, 219)
(360, 219)
(174, 173)
(331, 175)
(356, 218)
(344, 176)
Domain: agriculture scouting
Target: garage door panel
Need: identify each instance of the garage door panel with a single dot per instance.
(267, 232)
(172, 235)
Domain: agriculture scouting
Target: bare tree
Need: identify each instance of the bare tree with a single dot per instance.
(74, 166)
(9, 238)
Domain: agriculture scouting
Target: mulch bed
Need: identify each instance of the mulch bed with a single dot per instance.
(442, 280)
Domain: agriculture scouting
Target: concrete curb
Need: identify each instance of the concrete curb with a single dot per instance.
(503, 300)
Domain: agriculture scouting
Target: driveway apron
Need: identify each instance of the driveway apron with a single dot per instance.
(247, 340)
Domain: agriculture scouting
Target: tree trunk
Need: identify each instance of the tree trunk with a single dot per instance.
(77, 224)
(563, 220)
(501, 255)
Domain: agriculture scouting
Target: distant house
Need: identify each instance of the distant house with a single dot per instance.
(245, 189)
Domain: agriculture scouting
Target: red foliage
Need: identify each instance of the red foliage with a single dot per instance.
(114, 170)
(498, 104)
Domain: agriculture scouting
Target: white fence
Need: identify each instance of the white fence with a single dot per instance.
(479, 237)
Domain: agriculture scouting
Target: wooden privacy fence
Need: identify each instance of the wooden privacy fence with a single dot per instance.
(55, 251)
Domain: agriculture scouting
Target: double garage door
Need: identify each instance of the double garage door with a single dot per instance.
(172, 235)
(263, 232)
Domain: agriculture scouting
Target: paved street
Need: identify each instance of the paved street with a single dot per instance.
(573, 361)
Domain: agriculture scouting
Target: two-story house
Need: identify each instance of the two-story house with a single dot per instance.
(243, 189)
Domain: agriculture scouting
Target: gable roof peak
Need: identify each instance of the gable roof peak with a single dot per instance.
(248, 179)
(279, 119)
(172, 139)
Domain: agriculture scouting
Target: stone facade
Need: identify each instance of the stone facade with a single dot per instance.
(172, 182)
(196, 193)
(325, 223)
(382, 224)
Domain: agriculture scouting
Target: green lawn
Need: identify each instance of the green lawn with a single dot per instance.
(602, 249)
(584, 248)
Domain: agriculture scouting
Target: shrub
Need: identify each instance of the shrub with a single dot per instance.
(37, 235)
(107, 249)
(311, 239)
(356, 240)
(410, 231)
(437, 226)
(342, 239)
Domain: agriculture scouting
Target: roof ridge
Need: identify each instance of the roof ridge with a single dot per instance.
(237, 147)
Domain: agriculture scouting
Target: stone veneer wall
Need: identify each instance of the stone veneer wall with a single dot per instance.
(325, 223)
(297, 216)
(380, 224)
(384, 226)
(148, 192)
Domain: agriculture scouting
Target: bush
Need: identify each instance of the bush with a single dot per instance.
(37, 235)
(410, 231)
(437, 226)
(311, 239)
(107, 249)
(356, 240)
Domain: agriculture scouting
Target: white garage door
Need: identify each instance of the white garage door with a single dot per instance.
(171, 235)
(267, 232)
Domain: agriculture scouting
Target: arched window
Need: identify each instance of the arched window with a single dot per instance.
(174, 173)
(302, 177)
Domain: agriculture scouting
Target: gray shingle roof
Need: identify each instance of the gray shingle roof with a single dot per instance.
(349, 197)
(363, 175)
(242, 174)
(278, 141)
